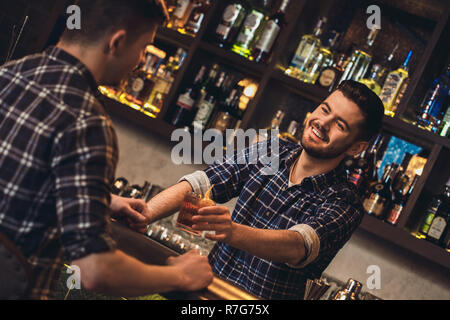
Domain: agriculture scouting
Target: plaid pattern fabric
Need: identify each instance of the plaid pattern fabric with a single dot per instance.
(58, 154)
(326, 202)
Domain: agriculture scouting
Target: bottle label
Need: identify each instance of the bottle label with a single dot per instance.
(394, 214)
(374, 204)
(437, 228)
(304, 51)
(251, 23)
(204, 111)
(268, 37)
(390, 88)
(428, 220)
(327, 77)
(229, 16)
(185, 101)
(138, 85)
(355, 178)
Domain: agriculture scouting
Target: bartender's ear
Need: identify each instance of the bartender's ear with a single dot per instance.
(357, 148)
(117, 42)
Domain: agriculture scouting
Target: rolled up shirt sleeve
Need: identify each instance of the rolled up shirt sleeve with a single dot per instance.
(84, 162)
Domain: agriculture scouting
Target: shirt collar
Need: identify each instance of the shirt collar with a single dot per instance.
(319, 182)
(64, 57)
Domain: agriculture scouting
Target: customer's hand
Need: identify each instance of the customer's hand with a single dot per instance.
(134, 211)
(194, 270)
(214, 218)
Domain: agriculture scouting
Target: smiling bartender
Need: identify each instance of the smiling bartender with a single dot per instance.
(286, 227)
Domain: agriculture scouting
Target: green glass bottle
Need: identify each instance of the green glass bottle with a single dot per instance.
(252, 23)
(439, 225)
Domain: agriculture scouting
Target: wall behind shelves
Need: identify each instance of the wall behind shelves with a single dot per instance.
(146, 156)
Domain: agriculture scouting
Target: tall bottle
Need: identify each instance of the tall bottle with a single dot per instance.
(399, 203)
(140, 85)
(445, 127)
(379, 196)
(232, 19)
(359, 61)
(263, 48)
(306, 51)
(386, 65)
(431, 110)
(207, 104)
(323, 58)
(248, 32)
(437, 204)
(291, 133)
(185, 102)
(275, 124)
(440, 224)
(197, 16)
(228, 113)
(394, 87)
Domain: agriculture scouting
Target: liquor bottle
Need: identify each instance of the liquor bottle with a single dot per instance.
(360, 59)
(358, 175)
(445, 127)
(232, 19)
(291, 133)
(248, 32)
(275, 124)
(269, 35)
(399, 203)
(329, 76)
(441, 220)
(119, 185)
(430, 112)
(323, 59)
(379, 196)
(394, 87)
(207, 104)
(228, 113)
(180, 14)
(185, 102)
(432, 210)
(306, 51)
(197, 16)
(386, 66)
(374, 79)
(140, 84)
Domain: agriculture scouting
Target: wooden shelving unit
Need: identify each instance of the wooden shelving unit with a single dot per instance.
(299, 15)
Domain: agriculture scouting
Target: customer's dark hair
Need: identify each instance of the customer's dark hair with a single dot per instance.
(101, 17)
(369, 104)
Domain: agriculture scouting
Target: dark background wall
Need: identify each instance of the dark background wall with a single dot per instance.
(42, 18)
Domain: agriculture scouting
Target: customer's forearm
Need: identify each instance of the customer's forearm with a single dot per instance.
(117, 274)
(168, 201)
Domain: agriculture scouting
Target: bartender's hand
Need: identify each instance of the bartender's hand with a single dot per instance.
(134, 211)
(194, 269)
(214, 218)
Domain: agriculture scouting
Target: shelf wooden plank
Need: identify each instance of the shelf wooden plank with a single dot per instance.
(175, 38)
(405, 240)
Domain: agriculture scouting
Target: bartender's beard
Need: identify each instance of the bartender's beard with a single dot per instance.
(331, 151)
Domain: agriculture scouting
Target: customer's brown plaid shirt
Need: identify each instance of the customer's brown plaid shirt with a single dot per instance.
(58, 154)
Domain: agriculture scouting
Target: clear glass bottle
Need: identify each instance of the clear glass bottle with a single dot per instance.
(394, 87)
(323, 59)
(291, 133)
(307, 49)
(196, 18)
(180, 14)
(374, 79)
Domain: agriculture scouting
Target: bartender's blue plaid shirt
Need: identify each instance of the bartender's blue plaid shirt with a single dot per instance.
(325, 209)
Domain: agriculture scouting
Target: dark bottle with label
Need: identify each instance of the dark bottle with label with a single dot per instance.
(379, 196)
(140, 84)
(432, 211)
(185, 102)
(272, 28)
(329, 76)
(207, 104)
(228, 28)
(228, 111)
(400, 202)
(439, 225)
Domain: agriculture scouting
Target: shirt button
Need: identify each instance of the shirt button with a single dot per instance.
(267, 213)
(239, 266)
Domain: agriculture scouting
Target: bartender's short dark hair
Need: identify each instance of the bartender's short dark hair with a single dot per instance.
(101, 17)
(370, 105)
